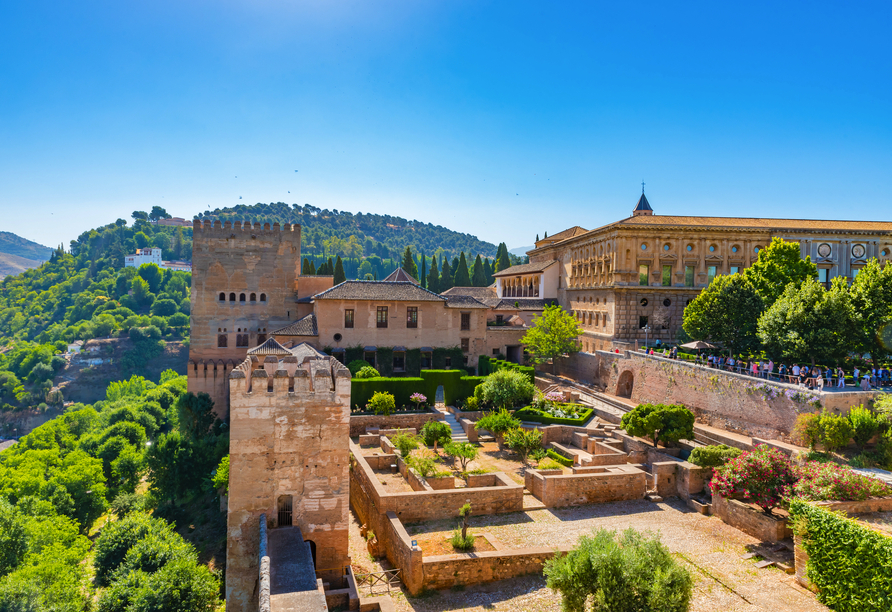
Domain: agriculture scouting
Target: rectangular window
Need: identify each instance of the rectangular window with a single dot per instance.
(499, 319)
(735, 269)
(399, 362)
(426, 361)
(667, 276)
(465, 345)
(241, 340)
(447, 362)
(465, 321)
(643, 271)
(710, 274)
(369, 357)
(412, 316)
(382, 316)
(642, 322)
(689, 276)
(495, 352)
(348, 318)
(822, 275)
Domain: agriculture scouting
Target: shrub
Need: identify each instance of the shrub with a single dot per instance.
(762, 476)
(523, 441)
(356, 365)
(367, 372)
(507, 388)
(864, 425)
(714, 455)
(221, 476)
(425, 466)
(549, 464)
(836, 431)
(382, 403)
(436, 432)
(125, 503)
(419, 399)
(629, 573)
(465, 452)
(564, 461)
(582, 415)
(470, 403)
(119, 537)
(497, 422)
(831, 481)
(405, 444)
(462, 543)
(807, 430)
(669, 423)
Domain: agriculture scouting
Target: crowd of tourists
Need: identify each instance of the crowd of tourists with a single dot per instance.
(813, 377)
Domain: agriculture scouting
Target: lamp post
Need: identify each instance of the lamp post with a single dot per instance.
(646, 329)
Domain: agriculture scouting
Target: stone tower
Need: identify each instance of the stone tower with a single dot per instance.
(290, 460)
(244, 284)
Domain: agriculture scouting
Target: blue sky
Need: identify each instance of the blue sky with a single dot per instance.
(502, 119)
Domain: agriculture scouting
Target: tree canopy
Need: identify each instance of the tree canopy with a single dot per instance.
(778, 265)
(669, 423)
(552, 335)
(726, 311)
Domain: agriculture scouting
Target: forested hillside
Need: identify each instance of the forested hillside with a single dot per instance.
(146, 447)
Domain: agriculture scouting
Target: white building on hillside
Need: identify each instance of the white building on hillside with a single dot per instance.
(153, 256)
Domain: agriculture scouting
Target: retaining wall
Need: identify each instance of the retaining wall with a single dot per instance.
(558, 490)
(360, 423)
(767, 528)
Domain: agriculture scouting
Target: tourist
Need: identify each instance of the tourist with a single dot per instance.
(782, 373)
(755, 368)
(770, 369)
(796, 371)
(865, 382)
(841, 383)
(819, 379)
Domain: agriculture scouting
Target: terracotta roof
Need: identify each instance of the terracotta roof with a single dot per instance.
(759, 223)
(529, 268)
(463, 301)
(304, 349)
(270, 347)
(523, 304)
(400, 275)
(305, 326)
(474, 292)
(402, 291)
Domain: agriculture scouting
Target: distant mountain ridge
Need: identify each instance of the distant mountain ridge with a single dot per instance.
(18, 254)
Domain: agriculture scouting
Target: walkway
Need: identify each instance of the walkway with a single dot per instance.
(292, 575)
(458, 434)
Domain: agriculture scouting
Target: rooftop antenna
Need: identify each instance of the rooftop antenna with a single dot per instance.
(642, 187)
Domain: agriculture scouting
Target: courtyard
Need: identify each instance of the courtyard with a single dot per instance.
(711, 550)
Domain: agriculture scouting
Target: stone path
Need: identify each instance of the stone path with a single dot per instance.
(458, 434)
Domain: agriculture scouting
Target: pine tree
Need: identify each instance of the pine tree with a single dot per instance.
(423, 277)
(504, 262)
(445, 276)
(409, 263)
(487, 270)
(305, 267)
(479, 279)
(433, 277)
(462, 277)
(546, 235)
(339, 276)
(537, 237)
(329, 267)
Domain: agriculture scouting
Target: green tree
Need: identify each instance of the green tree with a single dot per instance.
(871, 297)
(152, 275)
(726, 311)
(497, 423)
(13, 542)
(488, 271)
(465, 452)
(630, 573)
(506, 388)
(479, 279)
(305, 267)
(553, 335)
(503, 261)
(339, 276)
(779, 264)
(523, 441)
(423, 278)
(809, 322)
(158, 213)
(462, 276)
(445, 276)
(139, 215)
(409, 264)
(433, 277)
(669, 423)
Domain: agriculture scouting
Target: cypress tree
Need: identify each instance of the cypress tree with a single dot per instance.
(329, 267)
(445, 276)
(504, 262)
(339, 276)
(423, 277)
(479, 279)
(537, 237)
(312, 268)
(462, 277)
(409, 263)
(433, 277)
(454, 268)
(487, 270)
(305, 267)
(546, 235)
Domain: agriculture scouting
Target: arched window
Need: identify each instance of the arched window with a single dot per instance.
(231, 297)
(241, 297)
(221, 341)
(253, 297)
(262, 297)
(222, 297)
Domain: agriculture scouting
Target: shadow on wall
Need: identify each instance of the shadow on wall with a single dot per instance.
(624, 384)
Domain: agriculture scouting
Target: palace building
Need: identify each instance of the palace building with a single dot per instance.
(642, 271)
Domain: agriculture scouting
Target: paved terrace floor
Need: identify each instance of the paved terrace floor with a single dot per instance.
(710, 549)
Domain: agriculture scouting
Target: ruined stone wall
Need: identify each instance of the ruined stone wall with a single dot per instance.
(236, 260)
(766, 528)
(360, 423)
(577, 489)
(289, 436)
(446, 571)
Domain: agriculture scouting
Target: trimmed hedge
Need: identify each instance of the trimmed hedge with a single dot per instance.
(455, 387)
(850, 564)
(483, 366)
(559, 458)
(538, 416)
(501, 364)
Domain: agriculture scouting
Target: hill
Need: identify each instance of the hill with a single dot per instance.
(330, 233)
(18, 254)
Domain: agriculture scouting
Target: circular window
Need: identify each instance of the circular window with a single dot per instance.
(712, 248)
(337, 337)
(756, 250)
(690, 247)
(883, 253)
(665, 247)
(644, 302)
(733, 249)
(824, 250)
(667, 302)
(643, 246)
(858, 250)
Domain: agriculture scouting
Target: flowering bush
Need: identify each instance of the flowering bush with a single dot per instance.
(419, 399)
(769, 392)
(554, 396)
(803, 397)
(762, 476)
(831, 481)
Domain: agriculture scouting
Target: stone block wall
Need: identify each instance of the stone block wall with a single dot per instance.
(360, 423)
(750, 520)
(577, 489)
(691, 479)
(446, 571)
(582, 367)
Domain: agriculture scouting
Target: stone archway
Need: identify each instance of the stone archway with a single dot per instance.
(624, 384)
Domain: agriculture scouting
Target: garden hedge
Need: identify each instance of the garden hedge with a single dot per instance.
(559, 458)
(537, 416)
(456, 386)
(501, 364)
(850, 564)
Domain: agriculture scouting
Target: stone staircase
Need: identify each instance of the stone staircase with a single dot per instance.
(458, 434)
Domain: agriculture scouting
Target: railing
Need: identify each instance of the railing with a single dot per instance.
(385, 581)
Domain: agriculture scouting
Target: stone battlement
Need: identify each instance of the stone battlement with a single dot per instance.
(220, 227)
(318, 376)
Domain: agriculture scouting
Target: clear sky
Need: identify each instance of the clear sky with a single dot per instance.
(501, 119)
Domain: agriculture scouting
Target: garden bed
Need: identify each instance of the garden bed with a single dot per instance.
(528, 413)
